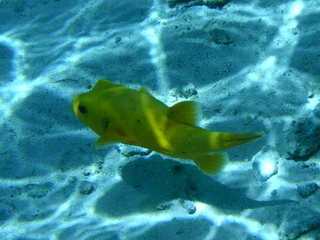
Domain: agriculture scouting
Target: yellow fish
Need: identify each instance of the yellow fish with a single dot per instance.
(119, 114)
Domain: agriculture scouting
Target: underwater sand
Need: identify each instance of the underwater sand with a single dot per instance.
(252, 66)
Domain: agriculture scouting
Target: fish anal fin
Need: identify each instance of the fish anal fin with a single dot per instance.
(184, 112)
(102, 141)
(211, 163)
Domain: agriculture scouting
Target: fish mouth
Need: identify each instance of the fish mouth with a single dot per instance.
(75, 105)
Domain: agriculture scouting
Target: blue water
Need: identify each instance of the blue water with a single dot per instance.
(251, 65)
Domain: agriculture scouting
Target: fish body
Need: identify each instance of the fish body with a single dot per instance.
(118, 114)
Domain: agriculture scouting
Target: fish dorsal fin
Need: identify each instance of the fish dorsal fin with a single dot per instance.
(103, 84)
(184, 112)
(143, 90)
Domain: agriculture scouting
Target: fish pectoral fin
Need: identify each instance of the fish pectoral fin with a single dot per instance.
(184, 112)
(130, 141)
(111, 136)
(211, 163)
(106, 140)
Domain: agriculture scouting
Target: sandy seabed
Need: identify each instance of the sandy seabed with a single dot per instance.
(251, 65)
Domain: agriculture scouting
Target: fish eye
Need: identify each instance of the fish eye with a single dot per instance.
(82, 109)
(105, 124)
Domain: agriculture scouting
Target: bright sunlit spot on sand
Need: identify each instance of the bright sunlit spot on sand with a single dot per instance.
(296, 8)
(266, 164)
(268, 63)
(73, 58)
(12, 94)
(158, 57)
(267, 167)
(15, 89)
(265, 73)
(200, 207)
(23, 89)
(313, 101)
(261, 231)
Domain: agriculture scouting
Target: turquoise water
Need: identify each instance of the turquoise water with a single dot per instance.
(251, 65)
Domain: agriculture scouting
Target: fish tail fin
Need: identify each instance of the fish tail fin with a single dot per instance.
(211, 163)
(224, 140)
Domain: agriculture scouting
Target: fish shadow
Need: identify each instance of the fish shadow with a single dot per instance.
(149, 184)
